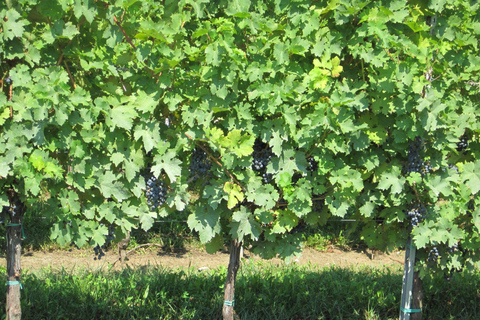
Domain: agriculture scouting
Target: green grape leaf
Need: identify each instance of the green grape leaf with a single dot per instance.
(471, 174)
(206, 222)
(438, 185)
(122, 116)
(241, 145)
(347, 177)
(217, 243)
(180, 198)
(238, 8)
(169, 164)
(98, 234)
(215, 195)
(392, 179)
(110, 187)
(285, 220)
(264, 195)
(12, 26)
(244, 224)
(149, 133)
(147, 219)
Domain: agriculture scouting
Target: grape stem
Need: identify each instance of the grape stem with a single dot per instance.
(124, 33)
(217, 162)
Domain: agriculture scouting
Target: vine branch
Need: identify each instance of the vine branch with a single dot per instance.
(124, 33)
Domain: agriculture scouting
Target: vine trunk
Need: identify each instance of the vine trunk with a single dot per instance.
(228, 311)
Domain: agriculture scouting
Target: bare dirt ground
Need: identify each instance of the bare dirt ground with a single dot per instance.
(196, 258)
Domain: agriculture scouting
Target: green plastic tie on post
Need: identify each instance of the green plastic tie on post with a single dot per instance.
(16, 225)
(229, 303)
(410, 246)
(410, 310)
(15, 283)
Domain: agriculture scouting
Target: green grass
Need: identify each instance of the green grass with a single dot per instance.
(263, 291)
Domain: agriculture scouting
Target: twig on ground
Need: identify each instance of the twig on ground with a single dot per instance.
(136, 248)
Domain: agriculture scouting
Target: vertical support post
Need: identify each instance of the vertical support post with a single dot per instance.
(408, 277)
(229, 294)
(14, 251)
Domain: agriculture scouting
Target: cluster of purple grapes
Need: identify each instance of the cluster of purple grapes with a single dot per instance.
(200, 164)
(99, 250)
(415, 162)
(99, 253)
(312, 164)
(453, 248)
(451, 166)
(433, 254)
(463, 143)
(262, 154)
(156, 192)
(416, 213)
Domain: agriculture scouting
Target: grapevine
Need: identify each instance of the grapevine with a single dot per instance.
(100, 96)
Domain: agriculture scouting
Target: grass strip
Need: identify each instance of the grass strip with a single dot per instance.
(264, 291)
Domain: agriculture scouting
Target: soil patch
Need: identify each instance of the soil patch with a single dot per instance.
(194, 258)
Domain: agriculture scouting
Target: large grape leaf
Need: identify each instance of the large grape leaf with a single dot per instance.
(206, 222)
(471, 174)
(244, 224)
(392, 179)
(169, 163)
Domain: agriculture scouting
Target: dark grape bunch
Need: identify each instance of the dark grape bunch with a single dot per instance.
(317, 205)
(156, 192)
(463, 143)
(416, 213)
(99, 253)
(99, 250)
(312, 164)
(453, 248)
(267, 177)
(433, 255)
(262, 154)
(200, 163)
(451, 166)
(415, 162)
(8, 80)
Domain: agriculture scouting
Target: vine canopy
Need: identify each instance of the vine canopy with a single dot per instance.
(97, 95)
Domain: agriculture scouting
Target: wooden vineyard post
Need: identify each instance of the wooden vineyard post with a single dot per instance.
(14, 251)
(409, 310)
(229, 291)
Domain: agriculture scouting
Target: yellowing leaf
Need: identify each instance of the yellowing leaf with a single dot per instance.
(235, 194)
(336, 67)
(241, 145)
(37, 161)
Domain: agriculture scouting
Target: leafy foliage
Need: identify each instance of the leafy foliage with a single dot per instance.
(98, 90)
